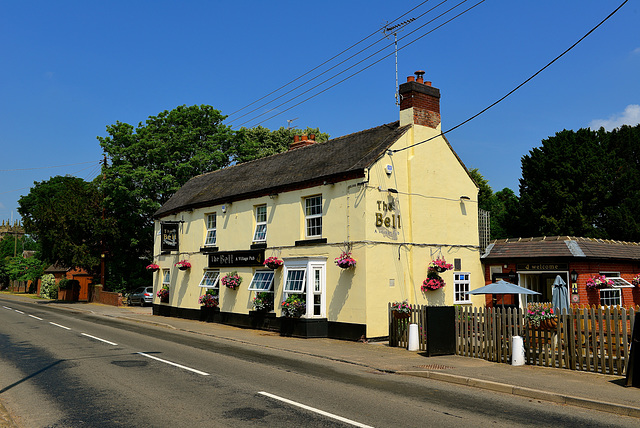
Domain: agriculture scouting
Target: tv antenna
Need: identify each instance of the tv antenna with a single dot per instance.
(394, 29)
(289, 122)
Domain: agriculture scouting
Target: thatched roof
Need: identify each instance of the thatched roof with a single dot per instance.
(332, 161)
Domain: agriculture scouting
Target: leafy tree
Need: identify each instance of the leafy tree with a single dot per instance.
(259, 142)
(150, 163)
(64, 214)
(583, 183)
(25, 269)
(502, 205)
(147, 166)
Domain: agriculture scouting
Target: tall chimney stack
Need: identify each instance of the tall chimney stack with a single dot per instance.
(419, 102)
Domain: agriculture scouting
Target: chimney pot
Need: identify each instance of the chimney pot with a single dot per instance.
(296, 138)
(312, 137)
(428, 83)
(304, 138)
(411, 78)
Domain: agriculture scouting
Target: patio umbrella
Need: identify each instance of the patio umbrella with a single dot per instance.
(502, 287)
(560, 296)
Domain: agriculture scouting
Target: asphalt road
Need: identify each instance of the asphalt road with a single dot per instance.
(65, 369)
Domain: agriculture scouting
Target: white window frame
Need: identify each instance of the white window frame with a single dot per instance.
(166, 277)
(311, 217)
(618, 281)
(256, 278)
(461, 285)
(260, 233)
(607, 300)
(309, 290)
(216, 280)
(211, 237)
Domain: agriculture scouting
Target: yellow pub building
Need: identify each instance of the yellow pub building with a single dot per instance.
(393, 198)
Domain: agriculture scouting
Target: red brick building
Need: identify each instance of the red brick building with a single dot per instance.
(534, 263)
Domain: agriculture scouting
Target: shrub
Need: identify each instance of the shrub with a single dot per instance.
(48, 289)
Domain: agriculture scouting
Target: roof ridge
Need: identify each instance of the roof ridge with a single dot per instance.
(390, 125)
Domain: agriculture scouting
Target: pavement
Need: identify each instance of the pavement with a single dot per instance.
(593, 391)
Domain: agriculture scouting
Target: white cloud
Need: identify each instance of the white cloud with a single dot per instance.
(630, 116)
(636, 51)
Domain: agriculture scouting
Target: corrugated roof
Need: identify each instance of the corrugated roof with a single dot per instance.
(343, 156)
(562, 246)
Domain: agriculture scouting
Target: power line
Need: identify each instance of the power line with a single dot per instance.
(519, 86)
(362, 69)
(340, 63)
(325, 62)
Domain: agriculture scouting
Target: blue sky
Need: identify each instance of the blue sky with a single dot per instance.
(70, 68)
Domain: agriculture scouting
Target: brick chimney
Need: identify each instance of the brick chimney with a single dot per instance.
(302, 141)
(419, 102)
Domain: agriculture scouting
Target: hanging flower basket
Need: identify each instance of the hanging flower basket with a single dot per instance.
(636, 280)
(433, 281)
(273, 263)
(163, 294)
(153, 267)
(439, 265)
(183, 265)
(599, 282)
(345, 261)
(232, 280)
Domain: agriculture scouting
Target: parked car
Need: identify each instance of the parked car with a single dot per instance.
(141, 296)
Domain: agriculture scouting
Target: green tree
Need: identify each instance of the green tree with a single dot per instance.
(583, 183)
(147, 165)
(63, 215)
(259, 142)
(502, 205)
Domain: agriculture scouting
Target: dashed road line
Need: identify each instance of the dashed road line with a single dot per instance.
(174, 364)
(20, 312)
(101, 340)
(38, 318)
(58, 325)
(313, 409)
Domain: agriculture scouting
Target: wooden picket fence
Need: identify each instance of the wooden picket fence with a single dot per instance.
(591, 339)
(399, 327)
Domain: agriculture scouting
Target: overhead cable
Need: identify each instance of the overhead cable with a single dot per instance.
(325, 62)
(517, 87)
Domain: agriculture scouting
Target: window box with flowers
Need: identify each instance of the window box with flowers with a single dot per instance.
(598, 282)
(401, 310)
(163, 294)
(294, 306)
(209, 303)
(434, 281)
(636, 280)
(232, 280)
(183, 265)
(273, 263)
(153, 267)
(263, 302)
(540, 317)
(345, 261)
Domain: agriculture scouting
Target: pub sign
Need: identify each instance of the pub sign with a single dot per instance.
(236, 258)
(169, 233)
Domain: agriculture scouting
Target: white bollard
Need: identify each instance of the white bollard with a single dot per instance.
(414, 345)
(517, 351)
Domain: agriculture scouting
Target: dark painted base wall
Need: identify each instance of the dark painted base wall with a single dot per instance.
(295, 327)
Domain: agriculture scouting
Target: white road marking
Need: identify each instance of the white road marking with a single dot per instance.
(20, 312)
(7, 307)
(174, 364)
(312, 409)
(101, 340)
(33, 316)
(58, 325)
